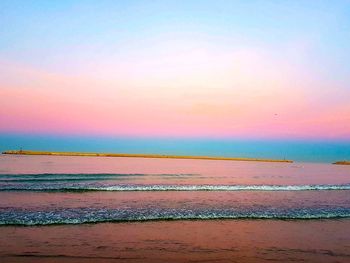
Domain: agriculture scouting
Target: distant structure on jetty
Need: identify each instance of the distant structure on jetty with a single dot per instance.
(342, 163)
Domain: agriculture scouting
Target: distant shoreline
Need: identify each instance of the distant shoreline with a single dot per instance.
(20, 152)
(342, 163)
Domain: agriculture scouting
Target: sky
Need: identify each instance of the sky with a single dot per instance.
(240, 71)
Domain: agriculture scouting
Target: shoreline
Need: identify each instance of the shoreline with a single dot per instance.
(87, 154)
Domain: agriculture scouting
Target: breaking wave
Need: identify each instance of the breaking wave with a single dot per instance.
(94, 215)
(76, 187)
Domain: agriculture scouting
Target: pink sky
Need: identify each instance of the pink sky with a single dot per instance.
(231, 93)
(231, 69)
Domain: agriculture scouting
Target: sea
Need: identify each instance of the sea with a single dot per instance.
(112, 209)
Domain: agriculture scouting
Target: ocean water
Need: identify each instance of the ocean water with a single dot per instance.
(55, 208)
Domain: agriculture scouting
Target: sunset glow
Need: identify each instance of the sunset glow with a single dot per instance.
(244, 70)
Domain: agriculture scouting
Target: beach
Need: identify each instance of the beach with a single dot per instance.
(174, 131)
(189, 241)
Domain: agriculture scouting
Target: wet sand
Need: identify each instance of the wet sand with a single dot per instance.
(181, 241)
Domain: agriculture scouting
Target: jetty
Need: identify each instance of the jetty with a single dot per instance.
(91, 154)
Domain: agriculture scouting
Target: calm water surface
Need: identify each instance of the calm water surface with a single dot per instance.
(135, 209)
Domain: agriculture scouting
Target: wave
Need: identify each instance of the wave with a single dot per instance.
(52, 177)
(82, 182)
(91, 215)
(86, 175)
(74, 187)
